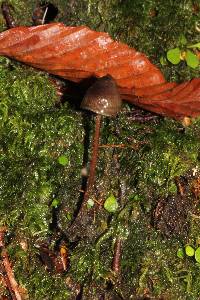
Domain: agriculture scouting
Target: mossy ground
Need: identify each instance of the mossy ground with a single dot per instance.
(36, 131)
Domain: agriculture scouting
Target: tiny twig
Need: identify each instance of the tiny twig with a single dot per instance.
(117, 256)
(114, 146)
(5, 281)
(91, 178)
(93, 163)
(44, 16)
(121, 146)
(9, 278)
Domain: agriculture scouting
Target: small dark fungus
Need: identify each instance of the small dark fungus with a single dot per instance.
(103, 97)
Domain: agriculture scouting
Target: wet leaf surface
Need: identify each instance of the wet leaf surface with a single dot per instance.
(79, 53)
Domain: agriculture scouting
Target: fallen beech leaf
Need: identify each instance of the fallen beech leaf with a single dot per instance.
(183, 100)
(78, 53)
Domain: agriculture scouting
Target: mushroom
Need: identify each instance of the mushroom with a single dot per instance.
(103, 99)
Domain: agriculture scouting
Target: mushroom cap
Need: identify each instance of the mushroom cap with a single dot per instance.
(103, 97)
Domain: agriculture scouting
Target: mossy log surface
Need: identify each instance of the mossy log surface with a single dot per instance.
(151, 167)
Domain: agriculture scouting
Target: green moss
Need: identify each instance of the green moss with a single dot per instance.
(36, 132)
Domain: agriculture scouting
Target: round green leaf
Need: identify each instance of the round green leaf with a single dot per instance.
(55, 203)
(180, 253)
(111, 204)
(191, 59)
(197, 254)
(189, 250)
(63, 160)
(173, 55)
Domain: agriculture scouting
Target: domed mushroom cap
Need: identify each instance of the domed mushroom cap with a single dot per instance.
(103, 97)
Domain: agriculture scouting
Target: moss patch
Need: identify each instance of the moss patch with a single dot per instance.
(39, 195)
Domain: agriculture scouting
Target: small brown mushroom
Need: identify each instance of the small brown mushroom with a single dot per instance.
(103, 99)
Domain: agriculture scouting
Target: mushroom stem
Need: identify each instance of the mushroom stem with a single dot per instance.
(93, 161)
(91, 177)
(117, 256)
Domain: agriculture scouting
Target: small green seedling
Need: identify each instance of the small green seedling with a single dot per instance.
(180, 253)
(68, 216)
(135, 197)
(189, 250)
(63, 160)
(183, 53)
(111, 204)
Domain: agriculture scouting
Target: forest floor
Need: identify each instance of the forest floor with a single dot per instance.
(140, 237)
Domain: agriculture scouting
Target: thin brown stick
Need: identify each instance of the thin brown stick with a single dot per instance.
(121, 146)
(116, 263)
(5, 281)
(9, 278)
(95, 146)
(114, 146)
(93, 162)
(2, 234)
